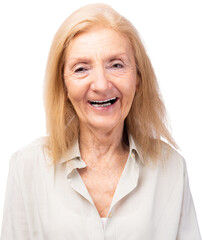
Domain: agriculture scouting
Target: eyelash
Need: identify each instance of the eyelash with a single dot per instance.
(80, 70)
(118, 65)
(113, 66)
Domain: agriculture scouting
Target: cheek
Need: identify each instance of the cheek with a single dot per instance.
(76, 88)
(128, 88)
(125, 81)
(73, 96)
(76, 92)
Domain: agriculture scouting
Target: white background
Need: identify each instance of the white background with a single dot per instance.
(172, 34)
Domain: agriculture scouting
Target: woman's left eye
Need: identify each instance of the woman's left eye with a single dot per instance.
(117, 65)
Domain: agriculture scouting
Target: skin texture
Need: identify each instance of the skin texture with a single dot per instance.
(100, 65)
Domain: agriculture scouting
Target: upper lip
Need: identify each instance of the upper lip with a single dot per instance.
(103, 101)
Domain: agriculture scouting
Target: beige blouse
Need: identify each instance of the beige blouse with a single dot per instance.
(150, 203)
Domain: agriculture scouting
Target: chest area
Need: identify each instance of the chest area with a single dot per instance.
(101, 186)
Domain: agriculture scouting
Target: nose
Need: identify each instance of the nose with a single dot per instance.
(100, 81)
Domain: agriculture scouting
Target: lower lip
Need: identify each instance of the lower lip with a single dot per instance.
(107, 108)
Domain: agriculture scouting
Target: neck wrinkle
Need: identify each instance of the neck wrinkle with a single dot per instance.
(101, 147)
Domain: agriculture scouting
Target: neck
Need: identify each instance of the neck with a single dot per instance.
(101, 146)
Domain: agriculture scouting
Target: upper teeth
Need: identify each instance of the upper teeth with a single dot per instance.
(104, 100)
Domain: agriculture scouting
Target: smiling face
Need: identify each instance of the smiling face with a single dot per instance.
(100, 76)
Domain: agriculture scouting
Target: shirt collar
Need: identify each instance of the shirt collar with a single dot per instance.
(134, 149)
(73, 160)
(73, 152)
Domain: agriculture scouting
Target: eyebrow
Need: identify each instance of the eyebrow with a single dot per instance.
(74, 60)
(82, 59)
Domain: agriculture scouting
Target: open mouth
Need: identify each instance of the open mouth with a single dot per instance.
(104, 103)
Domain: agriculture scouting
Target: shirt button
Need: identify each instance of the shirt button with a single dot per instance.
(110, 215)
(133, 154)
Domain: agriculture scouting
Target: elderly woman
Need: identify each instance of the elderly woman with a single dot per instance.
(103, 171)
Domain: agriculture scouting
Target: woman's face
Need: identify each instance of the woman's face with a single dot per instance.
(100, 76)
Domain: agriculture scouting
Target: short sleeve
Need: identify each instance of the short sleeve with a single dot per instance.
(188, 226)
(14, 225)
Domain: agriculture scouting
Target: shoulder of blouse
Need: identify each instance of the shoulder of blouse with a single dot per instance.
(171, 157)
(30, 151)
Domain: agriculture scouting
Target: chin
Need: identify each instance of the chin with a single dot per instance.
(105, 125)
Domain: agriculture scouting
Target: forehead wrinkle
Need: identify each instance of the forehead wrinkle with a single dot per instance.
(97, 58)
(104, 49)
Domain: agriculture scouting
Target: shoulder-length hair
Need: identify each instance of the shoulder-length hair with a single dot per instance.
(146, 121)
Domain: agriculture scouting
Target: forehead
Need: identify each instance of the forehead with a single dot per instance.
(99, 42)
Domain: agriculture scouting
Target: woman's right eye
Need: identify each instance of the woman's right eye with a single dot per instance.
(80, 70)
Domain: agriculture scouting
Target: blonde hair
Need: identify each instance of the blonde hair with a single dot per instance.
(146, 121)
